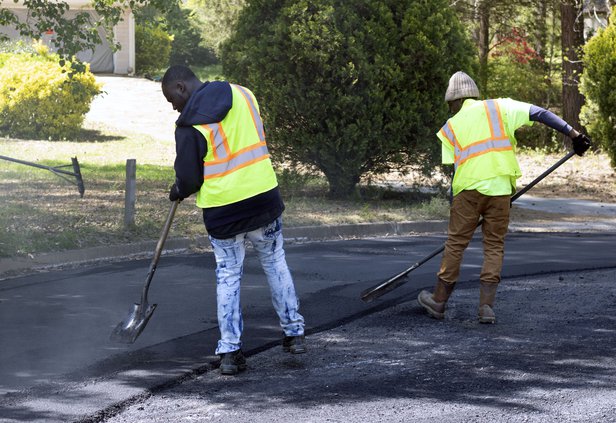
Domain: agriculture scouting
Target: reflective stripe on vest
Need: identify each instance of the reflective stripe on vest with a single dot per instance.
(226, 162)
(256, 118)
(242, 158)
(498, 140)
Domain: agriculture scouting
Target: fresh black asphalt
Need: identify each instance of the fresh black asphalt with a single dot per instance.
(57, 363)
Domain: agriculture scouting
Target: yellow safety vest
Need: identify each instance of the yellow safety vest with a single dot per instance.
(237, 164)
(483, 148)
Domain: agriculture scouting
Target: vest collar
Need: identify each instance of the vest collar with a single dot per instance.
(468, 102)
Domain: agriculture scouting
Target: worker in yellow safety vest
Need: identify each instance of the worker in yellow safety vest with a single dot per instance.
(479, 141)
(222, 156)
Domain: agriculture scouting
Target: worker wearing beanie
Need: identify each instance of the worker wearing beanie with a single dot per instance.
(479, 141)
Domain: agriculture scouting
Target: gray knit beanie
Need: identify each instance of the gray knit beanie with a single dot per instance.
(461, 86)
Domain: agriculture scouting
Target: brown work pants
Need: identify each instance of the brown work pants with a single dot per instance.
(466, 209)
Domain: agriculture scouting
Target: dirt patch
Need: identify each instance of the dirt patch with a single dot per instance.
(585, 178)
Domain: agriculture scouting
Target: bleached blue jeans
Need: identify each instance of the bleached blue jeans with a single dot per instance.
(268, 243)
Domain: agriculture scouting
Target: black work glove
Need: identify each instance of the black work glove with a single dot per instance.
(174, 193)
(581, 143)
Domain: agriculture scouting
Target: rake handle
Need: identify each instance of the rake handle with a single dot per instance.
(542, 176)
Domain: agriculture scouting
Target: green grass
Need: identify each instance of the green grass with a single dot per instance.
(40, 212)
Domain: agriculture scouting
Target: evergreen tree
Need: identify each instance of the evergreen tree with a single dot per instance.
(349, 87)
(599, 86)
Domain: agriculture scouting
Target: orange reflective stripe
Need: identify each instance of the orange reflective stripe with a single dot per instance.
(501, 125)
(224, 161)
(218, 140)
(494, 119)
(237, 153)
(498, 141)
(485, 147)
(236, 162)
(254, 112)
(451, 136)
(448, 134)
(218, 175)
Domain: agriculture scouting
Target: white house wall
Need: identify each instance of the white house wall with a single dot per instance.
(124, 33)
(102, 59)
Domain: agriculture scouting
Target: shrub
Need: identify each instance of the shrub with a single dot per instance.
(599, 87)
(152, 48)
(349, 87)
(180, 23)
(40, 99)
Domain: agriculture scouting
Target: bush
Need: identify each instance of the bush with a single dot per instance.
(599, 87)
(349, 87)
(40, 99)
(181, 24)
(152, 49)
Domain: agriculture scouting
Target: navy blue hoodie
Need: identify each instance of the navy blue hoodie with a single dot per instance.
(210, 104)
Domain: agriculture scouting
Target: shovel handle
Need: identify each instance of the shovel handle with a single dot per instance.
(158, 251)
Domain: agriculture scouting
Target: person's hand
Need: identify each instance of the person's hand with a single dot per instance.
(581, 143)
(174, 193)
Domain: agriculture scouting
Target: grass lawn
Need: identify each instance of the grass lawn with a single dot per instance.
(40, 212)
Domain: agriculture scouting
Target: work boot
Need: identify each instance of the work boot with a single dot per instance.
(232, 362)
(487, 293)
(435, 303)
(294, 344)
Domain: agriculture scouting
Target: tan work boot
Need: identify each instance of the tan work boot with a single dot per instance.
(487, 293)
(435, 303)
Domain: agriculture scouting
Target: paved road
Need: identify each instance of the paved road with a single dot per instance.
(57, 364)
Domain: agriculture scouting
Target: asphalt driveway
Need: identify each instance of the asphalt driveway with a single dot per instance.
(58, 365)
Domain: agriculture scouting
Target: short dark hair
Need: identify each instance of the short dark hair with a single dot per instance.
(178, 73)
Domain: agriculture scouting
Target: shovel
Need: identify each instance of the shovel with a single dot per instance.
(131, 327)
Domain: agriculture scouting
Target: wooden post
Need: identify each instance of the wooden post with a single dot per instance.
(131, 193)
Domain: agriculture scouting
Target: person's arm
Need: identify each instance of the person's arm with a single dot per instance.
(581, 142)
(539, 114)
(190, 147)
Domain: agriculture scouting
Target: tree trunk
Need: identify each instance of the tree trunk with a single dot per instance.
(341, 184)
(482, 13)
(541, 28)
(572, 40)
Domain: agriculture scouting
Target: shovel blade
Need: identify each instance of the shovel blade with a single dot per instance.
(129, 329)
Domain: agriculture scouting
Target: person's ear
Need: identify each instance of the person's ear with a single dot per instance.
(180, 86)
